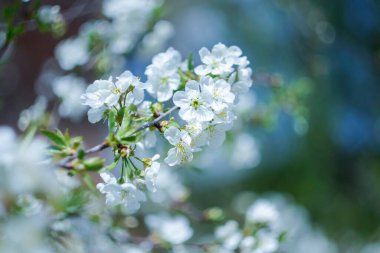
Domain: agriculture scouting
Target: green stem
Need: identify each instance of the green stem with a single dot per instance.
(121, 179)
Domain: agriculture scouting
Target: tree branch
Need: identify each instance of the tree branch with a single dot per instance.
(156, 121)
(65, 162)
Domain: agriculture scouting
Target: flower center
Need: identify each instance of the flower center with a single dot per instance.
(165, 80)
(195, 103)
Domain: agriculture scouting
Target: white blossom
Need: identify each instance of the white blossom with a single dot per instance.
(262, 211)
(229, 234)
(71, 53)
(50, 14)
(263, 242)
(245, 152)
(181, 152)
(241, 80)
(220, 91)
(216, 62)
(151, 174)
(128, 81)
(126, 194)
(194, 103)
(175, 230)
(21, 167)
(154, 42)
(163, 75)
(34, 114)
(70, 88)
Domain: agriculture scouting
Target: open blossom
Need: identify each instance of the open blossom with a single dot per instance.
(241, 80)
(181, 152)
(175, 230)
(229, 234)
(21, 168)
(125, 194)
(264, 242)
(128, 81)
(70, 88)
(217, 62)
(163, 75)
(194, 102)
(262, 211)
(220, 91)
(103, 94)
(71, 53)
(99, 94)
(33, 114)
(151, 174)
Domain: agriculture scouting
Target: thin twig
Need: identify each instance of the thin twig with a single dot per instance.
(156, 121)
(95, 149)
(65, 162)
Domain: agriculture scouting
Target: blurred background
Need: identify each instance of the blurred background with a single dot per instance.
(320, 148)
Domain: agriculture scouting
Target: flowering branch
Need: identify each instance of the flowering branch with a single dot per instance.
(156, 121)
(105, 145)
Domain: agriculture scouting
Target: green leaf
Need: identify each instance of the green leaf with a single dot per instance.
(129, 138)
(56, 138)
(190, 62)
(282, 237)
(81, 154)
(94, 163)
(89, 183)
(120, 116)
(75, 142)
(111, 121)
(125, 125)
(111, 166)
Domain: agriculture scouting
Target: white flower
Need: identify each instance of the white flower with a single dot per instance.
(175, 230)
(229, 234)
(215, 134)
(95, 114)
(71, 53)
(116, 9)
(169, 187)
(21, 167)
(70, 88)
(154, 42)
(99, 94)
(163, 75)
(216, 62)
(262, 211)
(181, 152)
(226, 116)
(49, 14)
(125, 194)
(263, 243)
(245, 152)
(220, 91)
(241, 80)
(33, 114)
(151, 174)
(127, 81)
(194, 103)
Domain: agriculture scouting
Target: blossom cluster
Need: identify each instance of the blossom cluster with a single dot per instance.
(110, 37)
(262, 233)
(205, 97)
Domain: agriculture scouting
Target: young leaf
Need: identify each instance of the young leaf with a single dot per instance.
(111, 121)
(94, 163)
(190, 62)
(125, 125)
(56, 138)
